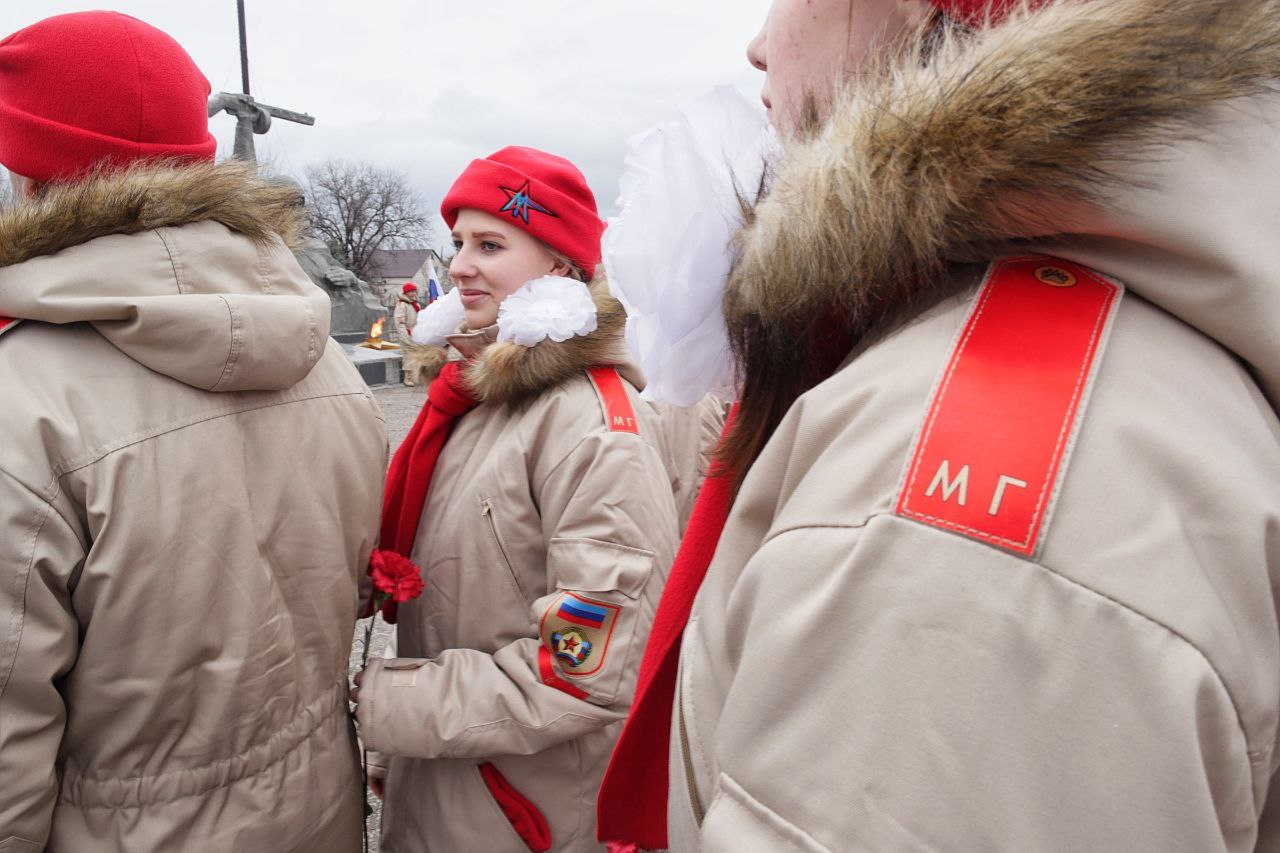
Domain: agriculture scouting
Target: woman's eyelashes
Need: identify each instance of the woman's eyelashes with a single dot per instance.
(487, 246)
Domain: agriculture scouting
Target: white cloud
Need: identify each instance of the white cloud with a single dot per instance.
(424, 87)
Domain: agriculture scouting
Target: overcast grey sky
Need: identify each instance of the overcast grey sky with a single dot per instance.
(426, 86)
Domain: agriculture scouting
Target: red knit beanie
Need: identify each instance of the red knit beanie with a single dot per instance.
(977, 11)
(91, 87)
(540, 193)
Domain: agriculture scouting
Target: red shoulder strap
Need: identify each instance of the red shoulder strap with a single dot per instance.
(1006, 409)
(618, 414)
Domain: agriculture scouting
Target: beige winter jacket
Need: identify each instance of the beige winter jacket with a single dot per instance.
(189, 480)
(405, 317)
(856, 677)
(545, 541)
(692, 434)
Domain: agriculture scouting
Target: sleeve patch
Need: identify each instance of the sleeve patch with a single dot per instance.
(576, 631)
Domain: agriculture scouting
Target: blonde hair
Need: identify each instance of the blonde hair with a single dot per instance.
(561, 258)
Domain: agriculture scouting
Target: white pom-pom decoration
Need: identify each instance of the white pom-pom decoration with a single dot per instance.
(439, 320)
(548, 307)
(668, 253)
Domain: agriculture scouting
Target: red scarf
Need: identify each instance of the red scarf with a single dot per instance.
(448, 399)
(632, 805)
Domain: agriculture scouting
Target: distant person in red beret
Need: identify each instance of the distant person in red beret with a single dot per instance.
(189, 473)
(404, 316)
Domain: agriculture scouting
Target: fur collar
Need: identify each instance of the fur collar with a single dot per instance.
(996, 137)
(513, 375)
(147, 197)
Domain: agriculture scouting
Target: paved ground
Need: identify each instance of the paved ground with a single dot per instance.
(401, 406)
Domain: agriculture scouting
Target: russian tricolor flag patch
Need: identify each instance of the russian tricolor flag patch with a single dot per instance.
(576, 631)
(581, 612)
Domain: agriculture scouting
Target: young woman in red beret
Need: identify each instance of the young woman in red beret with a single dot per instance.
(533, 495)
(994, 564)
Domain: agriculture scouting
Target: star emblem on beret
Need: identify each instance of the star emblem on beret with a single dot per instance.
(520, 202)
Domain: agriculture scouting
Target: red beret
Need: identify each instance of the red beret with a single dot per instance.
(977, 11)
(91, 87)
(539, 193)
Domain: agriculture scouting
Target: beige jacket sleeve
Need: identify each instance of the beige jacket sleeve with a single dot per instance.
(38, 644)
(609, 523)
(895, 688)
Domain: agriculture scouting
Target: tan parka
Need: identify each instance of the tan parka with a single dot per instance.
(550, 508)
(405, 317)
(189, 479)
(692, 434)
(855, 678)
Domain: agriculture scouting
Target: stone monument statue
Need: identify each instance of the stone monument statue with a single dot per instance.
(251, 116)
(353, 306)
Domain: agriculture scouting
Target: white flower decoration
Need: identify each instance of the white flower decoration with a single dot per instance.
(669, 252)
(439, 320)
(548, 307)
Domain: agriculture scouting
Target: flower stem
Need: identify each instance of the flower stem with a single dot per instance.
(366, 809)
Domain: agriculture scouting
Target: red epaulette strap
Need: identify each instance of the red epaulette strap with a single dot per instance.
(1006, 410)
(618, 414)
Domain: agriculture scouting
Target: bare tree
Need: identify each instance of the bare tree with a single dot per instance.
(358, 208)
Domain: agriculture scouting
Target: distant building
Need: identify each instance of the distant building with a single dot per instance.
(391, 269)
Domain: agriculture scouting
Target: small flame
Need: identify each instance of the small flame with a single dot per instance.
(375, 331)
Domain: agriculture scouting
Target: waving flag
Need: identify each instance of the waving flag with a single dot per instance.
(433, 283)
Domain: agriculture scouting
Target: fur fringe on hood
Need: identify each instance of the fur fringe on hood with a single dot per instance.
(993, 137)
(513, 375)
(422, 363)
(149, 196)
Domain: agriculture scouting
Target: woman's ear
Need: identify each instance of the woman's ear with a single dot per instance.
(561, 269)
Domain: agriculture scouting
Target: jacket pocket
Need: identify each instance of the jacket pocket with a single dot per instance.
(738, 821)
(522, 814)
(486, 509)
(590, 565)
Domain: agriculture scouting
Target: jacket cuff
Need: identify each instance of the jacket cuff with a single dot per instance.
(376, 708)
(377, 764)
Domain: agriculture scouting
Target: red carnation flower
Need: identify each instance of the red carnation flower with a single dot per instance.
(396, 576)
(396, 580)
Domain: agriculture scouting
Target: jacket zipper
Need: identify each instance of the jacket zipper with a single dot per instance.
(486, 509)
(685, 753)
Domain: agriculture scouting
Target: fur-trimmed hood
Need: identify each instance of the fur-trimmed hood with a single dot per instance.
(183, 268)
(510, 374)
(1140, 137)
